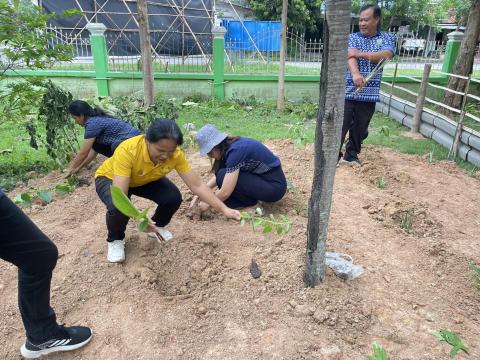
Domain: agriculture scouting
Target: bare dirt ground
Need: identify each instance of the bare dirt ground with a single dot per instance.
(194, 297)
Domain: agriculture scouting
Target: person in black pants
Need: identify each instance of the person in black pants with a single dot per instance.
(366, 49)
(245, 170)
(23, 244)
(139, 167)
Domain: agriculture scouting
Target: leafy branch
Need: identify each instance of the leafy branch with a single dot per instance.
(125, 206)
(281, 225)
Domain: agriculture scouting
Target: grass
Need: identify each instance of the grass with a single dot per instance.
(18, 158)
(396, 141)
(262, 122)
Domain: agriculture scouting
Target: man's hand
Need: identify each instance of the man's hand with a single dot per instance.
(358, 80)
(354, 53)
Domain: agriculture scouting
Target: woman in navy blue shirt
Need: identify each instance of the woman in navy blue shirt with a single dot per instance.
(246, 171)
(103, 133)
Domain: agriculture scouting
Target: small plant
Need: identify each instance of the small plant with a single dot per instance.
(28, 198)
(291, 187)
(453, 339)
(378, 353)
(406, 222)
(281, 225)
(431, 157)
(298, 134)
(125, 206)
(67, 187)
(473, 171)
(385, 131)
(24, 199)
(475, 274)
(45, 196)
(189, 136)
(381, 184)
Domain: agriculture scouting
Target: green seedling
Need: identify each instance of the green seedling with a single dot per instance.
(24, 199)
(45, 196)
(378, 353)
(291, 187)
(67, 187)
(453, 339)
(475, 274)
(28, 198)
(381, 183)
(406, 222)
(281, 225)
(472, 172)
(298, 134)
(385, 130)
(125, 206)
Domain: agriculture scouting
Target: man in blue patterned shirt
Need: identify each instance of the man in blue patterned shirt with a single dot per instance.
(365, 49)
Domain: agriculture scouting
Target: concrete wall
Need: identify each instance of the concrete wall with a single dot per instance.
(434, 126)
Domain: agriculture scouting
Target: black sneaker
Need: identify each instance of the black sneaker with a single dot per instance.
(68, 338)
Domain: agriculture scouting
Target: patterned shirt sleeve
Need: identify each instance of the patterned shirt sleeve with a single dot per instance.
(93, 128)
(388, 43)
(351, 42)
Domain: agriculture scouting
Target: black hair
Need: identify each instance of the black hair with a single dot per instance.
(223, 147)
(164, 129)
(80, 107)
(377, 12)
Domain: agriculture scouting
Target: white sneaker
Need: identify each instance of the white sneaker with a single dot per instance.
(116, 251)
(166, 235)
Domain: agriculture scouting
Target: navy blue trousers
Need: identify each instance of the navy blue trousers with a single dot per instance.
(251, 188)
(23, 244)
(162, 191)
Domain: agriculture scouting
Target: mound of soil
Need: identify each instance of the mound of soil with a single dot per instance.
(195, 297)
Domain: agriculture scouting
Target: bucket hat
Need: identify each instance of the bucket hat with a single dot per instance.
(208, 137)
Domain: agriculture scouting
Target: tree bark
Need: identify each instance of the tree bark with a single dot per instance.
(283, 50)
(327, 136)
(146, 55)
(463, 65)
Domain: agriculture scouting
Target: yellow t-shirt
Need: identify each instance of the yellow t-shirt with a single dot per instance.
(131, 159)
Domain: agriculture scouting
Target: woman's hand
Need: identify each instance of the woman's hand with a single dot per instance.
(231, 213)
(193, 202)
(203, 206)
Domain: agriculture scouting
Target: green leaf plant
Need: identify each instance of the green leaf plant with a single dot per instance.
(378, 353)
(125, 206)
(281, 225)
(453, 339)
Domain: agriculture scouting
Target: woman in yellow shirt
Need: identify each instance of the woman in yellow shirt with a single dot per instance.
(139, 167)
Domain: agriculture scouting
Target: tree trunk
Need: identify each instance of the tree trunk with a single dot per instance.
(327, 137)
(144, 32)
(283, 50)
(466, 54)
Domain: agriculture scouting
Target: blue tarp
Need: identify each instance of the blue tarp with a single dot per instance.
(265, 35)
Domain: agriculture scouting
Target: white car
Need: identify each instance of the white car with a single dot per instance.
(410, 44)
